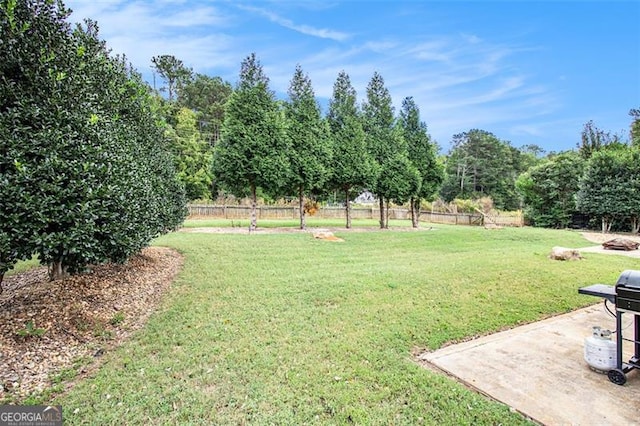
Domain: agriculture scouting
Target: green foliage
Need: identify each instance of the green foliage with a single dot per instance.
(192, 156)
(385, 144)
(481, 165)
(353, 169)
(82, 182)
(422, 154)
(548, 190)
(253, 150)
(609, 186)
(30, 330)
(594, 139)
(400, 180)
(172, 71)
(117, 319)
(308, 138)
(635, 127)
(206, 96)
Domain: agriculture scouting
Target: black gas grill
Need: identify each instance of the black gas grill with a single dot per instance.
(626, 296)
(628, 292)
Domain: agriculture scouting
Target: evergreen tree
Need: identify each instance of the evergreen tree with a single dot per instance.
(481, 165)
(604, 186)
(383, 142)
(352, 167)
(206, 96)
(82, 182)
(308, 136)
(173, 72)
(422, 154)
(252, 152)
(610, 185)
(634, 131)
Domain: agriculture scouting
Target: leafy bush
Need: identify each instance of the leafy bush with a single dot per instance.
(87, 176)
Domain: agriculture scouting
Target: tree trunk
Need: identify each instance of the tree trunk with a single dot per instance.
(348, 207)
(635, 227)
(606, 224)
(386, 217)
(57, 270)
(415, 212)
(303, 224)
(254, 201)
(381, 212)
(1, 278)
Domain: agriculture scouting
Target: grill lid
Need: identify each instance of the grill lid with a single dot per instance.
(629, 278)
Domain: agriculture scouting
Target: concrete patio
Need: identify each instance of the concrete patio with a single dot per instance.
(539, 370)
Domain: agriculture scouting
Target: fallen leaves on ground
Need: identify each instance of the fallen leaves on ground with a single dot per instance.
(50, 327)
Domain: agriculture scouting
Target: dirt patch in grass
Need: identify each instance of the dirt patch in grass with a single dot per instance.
(55, 330)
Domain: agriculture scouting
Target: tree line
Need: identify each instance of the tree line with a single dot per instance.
(366, 146)
(288, 148)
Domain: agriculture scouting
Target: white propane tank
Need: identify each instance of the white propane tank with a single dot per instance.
(600, 350)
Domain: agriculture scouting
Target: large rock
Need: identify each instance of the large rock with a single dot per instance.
(562, 253)
(621, 244)
(326, 235)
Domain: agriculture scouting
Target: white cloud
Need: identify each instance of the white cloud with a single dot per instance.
(142, 29)
(301, 28)
(459, 81)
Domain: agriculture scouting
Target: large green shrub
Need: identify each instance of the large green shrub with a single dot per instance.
(86, 176)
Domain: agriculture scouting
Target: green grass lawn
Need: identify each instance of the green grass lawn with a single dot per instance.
(285, 329)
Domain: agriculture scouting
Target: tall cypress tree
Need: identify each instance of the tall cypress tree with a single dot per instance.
(352, 167)
(384, 143)
(253, 150)
(422, 154)
(308, 136)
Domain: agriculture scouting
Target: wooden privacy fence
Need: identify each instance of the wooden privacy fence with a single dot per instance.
(292, 212)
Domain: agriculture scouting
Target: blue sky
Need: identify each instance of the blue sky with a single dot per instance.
(530, 72)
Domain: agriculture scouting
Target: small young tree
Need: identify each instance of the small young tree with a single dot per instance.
(253, 150)
(309, 140)
(352, 167)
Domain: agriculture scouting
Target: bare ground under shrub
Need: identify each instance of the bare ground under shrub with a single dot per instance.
(49, 328)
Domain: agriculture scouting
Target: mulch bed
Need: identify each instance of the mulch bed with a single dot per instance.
(47, 327)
